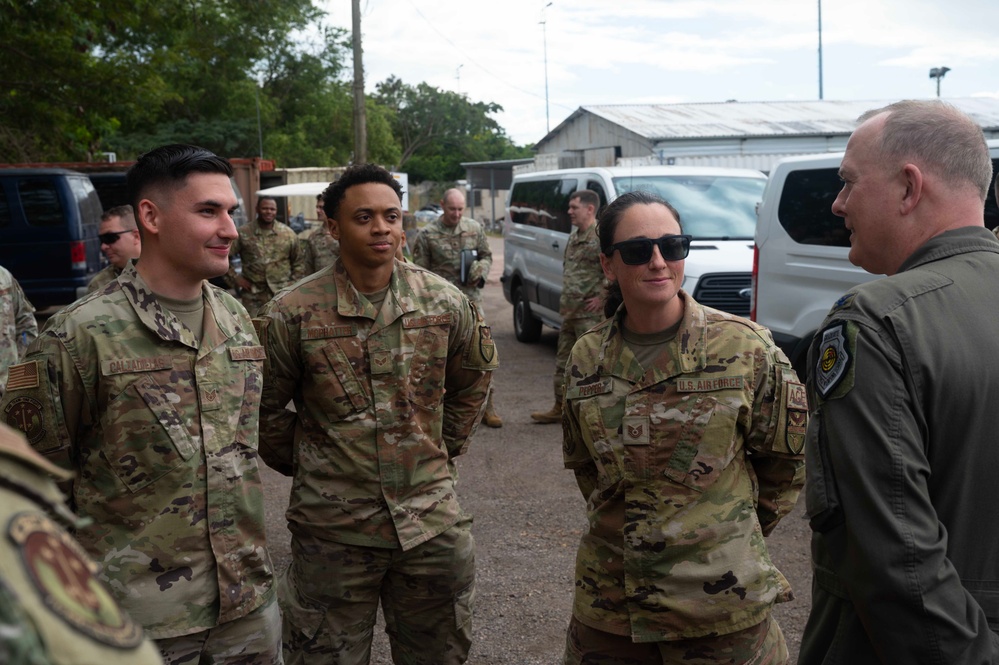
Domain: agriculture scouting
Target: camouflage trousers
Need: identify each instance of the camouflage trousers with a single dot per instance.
(762, 644)
(567, 335)
(330, 594)
(254, 639)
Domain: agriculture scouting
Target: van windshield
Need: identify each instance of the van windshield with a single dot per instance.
(710, 207)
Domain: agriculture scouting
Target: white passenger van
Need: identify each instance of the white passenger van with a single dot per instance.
(716, 206)
(801, 265)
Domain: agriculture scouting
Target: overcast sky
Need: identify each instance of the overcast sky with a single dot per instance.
(674, 51)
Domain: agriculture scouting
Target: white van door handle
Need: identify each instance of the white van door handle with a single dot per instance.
(555, 245)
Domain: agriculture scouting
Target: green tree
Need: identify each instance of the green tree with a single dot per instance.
(78, 76)
(438, 130)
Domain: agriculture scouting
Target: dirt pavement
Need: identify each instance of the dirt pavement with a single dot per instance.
(529, 514)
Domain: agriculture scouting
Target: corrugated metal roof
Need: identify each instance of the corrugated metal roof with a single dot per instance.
(658, 122)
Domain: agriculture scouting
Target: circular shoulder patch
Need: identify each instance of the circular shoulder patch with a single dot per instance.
(25, 414)
(65, 580)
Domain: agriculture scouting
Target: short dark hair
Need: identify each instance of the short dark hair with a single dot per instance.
(587, 197)
(359, 174)
(170, 165)
(265, 198)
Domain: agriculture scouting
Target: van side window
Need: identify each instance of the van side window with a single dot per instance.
(88, 200)
(542, 203)
(805, 209)
(4, 209)
(596, 187)
(40, 202)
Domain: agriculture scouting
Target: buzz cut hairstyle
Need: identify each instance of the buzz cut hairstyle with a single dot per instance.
(125, 213)
(169, 166)
(359, 174)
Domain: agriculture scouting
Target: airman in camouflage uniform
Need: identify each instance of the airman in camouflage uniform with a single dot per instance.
(581, 303)
(120, 242)
(687, 445)
(388, 366)
(149, 390)
(319, 248)
(438, 248)
(17, 319)
(53, 610)
(271, 257)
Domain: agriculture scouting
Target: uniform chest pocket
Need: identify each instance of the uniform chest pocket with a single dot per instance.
(147, 434)
(696, 440)
(335, 370)
(427, 369)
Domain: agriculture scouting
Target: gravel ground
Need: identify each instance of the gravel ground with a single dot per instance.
(529, 515)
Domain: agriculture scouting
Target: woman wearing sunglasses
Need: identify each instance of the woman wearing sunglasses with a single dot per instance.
(684, 426)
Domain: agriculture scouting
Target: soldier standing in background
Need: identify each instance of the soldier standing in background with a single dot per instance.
(581, 304)
(270, 254)
(149, 390)
(319, 249)
(439, 248)
(53, 609)
(17, 319)
(120, 242)
(388, 366)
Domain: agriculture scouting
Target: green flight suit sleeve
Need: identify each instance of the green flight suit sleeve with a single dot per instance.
(870, 505)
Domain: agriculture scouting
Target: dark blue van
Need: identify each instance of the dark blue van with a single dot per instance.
(48, 233)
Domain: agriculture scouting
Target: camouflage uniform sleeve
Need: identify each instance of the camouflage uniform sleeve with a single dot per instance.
(308, 257)
(26, 325)
(230, 277)
(575, 454)
(471, 360)
(480, 269)
(282, 371)
(776, 438)
(47, 400)
(297, 257)
(421, 250)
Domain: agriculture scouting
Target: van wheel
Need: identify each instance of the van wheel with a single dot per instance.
(525, 326)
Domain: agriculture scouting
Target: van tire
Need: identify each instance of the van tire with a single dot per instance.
(526, 327)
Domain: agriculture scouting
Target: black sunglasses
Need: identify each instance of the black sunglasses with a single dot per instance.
(637, 251)
(111, 237)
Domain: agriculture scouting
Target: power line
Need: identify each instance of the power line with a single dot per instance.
(474, 61)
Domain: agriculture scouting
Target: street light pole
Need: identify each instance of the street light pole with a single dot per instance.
(820, 49)
(544, 41)
(938, 73)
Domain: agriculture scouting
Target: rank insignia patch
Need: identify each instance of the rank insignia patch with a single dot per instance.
(834, 359)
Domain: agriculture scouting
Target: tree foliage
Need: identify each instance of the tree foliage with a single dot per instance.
(439, 129)
(80, 77)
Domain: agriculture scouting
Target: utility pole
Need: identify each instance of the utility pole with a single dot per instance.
(820, 49)
(544, 41)
(360, 119)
